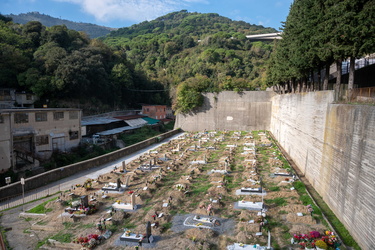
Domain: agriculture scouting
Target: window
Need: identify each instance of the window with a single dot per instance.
(42, 140)
(29, 97)
(73, 135)
(21, 118)
(58, 115)
(73, 115)
(1, 119)
(40, 117)
(147, 109)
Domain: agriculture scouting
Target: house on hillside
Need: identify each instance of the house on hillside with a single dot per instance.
(28, 136)
(155, 111)
(10, 98)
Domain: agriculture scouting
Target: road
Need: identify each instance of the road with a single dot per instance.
(79, 178)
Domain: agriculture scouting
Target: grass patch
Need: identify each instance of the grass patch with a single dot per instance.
(166, 226)
(41, 209)
(275, 188)
(277, 201)
(85, 226)
(63, 238)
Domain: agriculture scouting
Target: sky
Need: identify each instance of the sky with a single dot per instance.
(124, 13)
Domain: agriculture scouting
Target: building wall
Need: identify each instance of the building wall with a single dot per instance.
(249, 110)
(38, 136)
(155, 111)
(5, 141)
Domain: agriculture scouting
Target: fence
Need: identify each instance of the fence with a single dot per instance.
(362, 95)
(30, 197)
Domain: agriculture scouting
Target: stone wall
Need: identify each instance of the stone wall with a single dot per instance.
(249, 110)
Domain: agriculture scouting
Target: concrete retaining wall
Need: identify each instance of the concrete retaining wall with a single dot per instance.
(249, 110)
(40, 180)
(334, 146)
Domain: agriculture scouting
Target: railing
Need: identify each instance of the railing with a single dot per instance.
(10, 203)
(359, 63)
(362, 95)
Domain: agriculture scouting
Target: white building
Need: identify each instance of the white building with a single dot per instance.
(29, 135)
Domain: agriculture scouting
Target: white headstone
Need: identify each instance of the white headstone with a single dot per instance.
(132, 201)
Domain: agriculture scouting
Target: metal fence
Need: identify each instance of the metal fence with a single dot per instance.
(362, 95)
(36, 194)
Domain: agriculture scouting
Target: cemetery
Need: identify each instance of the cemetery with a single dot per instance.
(203, 190)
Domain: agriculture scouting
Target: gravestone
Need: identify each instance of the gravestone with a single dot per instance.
(132, 201)
(119, 182)
(148, 230)
(127, 181)
(84, 200)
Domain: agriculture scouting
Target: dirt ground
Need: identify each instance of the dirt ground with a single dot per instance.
(187, 188)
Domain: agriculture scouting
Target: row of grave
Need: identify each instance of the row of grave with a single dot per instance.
(175, 152)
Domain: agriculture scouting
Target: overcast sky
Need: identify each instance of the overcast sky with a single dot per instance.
(124, 13)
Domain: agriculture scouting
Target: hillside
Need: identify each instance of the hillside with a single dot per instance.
(194, 53)
(65, 68)
(92, 30)
(174, 58)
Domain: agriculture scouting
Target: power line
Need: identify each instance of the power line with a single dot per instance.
(148, 90)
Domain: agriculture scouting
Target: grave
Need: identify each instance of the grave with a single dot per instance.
(251, 191)
(221, 171)
(114, 187)
(149, 166)
(126, 206)
(176, 149)
(283, 174)
(201, 222)
(198, 162)
(164, 158)
(135, 237)
(122, 170)
(250, 205)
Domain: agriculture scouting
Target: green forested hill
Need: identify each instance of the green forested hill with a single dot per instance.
(193, 53)
(64, 67)
(92, 30)
(174, 58)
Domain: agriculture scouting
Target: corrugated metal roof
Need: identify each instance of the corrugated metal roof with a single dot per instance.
(98, 120)
(136, 122)
(129, 117)
(116, 130)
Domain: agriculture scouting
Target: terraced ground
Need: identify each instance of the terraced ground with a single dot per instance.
(191, 174)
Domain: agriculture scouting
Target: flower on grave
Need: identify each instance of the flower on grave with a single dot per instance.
(130, 192)
(314, 234)
(153, 216)
(321, 244)
(241, 244)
